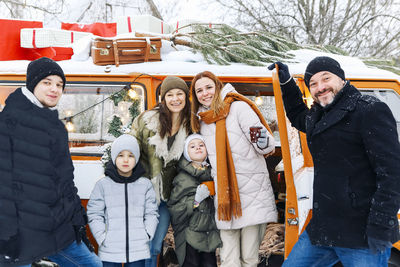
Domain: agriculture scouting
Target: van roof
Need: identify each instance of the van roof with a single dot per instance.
(186, 63)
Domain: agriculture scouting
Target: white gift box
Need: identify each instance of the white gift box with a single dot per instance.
(40, 37)
(141, 23)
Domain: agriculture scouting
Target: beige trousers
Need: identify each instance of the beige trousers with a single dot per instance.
(240, 246)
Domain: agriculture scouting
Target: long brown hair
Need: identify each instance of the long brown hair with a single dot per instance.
(217, 103)
(165, 116)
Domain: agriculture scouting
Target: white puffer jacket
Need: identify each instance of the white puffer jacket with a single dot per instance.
(255, 190)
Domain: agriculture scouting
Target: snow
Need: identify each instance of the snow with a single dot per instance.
(303, 182)
(86, 174)
(185, 62)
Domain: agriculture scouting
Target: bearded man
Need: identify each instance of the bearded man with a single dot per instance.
(355, 148)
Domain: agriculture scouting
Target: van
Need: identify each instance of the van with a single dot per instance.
(88, 108)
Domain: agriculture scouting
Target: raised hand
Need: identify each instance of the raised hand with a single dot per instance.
(283, 72)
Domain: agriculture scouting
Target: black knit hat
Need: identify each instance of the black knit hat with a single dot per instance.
(172, 82)
(40, 69)
(322, 64)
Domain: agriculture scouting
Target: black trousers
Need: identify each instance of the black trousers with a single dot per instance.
(195, 258)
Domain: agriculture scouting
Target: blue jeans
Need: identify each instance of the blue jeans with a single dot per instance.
(75, 255)
(161, 231)
(130, 264)
(304, 254)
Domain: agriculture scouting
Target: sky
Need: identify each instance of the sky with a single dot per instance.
(172, 10)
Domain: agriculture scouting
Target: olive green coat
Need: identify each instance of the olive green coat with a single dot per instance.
(195, 226)
(159, 163)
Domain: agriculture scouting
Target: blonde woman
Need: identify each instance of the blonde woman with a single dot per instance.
(244, 199)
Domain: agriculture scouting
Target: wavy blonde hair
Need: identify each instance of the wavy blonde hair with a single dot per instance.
(217, 103)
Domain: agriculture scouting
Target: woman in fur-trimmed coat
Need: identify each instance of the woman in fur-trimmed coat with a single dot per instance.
(161, 133)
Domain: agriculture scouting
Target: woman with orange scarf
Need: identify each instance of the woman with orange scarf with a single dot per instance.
(244, 198)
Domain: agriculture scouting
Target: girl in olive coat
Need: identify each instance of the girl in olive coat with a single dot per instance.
(192, 208)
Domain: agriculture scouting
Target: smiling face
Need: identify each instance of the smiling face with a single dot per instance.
(125, 163)
(197, 150)
(175, 100)
(205, 91)
(49, 90)
(324, 86)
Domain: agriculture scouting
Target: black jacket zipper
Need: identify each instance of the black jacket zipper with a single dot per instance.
(127, 222)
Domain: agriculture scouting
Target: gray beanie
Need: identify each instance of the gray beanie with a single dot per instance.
(125, 142)
(187, 141)
(172, 82)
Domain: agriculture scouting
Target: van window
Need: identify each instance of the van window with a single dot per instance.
(390, 97)
(93, 110)
(268, 109)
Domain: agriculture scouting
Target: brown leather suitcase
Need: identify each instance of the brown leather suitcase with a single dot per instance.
(107, 51)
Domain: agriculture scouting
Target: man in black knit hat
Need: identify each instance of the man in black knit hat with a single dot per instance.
(41, 213)
(355, 148)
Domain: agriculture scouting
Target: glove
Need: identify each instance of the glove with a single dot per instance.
(202, 193)
(283, 72)
(378, 246)
(10, 248)
(263, 139)
(80, 235)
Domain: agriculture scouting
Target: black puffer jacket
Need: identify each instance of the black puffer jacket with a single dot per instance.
(355, 148)
(39, 201)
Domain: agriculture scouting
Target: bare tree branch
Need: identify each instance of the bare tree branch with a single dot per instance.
(154, 9)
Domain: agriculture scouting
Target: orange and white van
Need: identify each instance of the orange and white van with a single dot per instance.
(86, 99)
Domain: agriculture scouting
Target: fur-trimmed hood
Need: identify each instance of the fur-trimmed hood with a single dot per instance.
(151, 119)
(159, 162)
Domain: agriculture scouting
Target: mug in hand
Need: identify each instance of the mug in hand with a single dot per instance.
(255, 132)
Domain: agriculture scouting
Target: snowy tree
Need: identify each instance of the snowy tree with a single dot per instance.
(361, 27)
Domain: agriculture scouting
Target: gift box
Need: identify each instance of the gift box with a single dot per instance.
(98, 28)
(55, 53)
(10, 45)
(40, 37)
(142, 23)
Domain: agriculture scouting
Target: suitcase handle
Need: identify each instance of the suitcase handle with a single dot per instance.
(131, 52)
(147, 52)
(116, 56)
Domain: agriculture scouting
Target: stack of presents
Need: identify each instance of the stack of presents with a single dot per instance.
(28, 40)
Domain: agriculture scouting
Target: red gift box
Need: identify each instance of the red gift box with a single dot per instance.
(98, 28)
(55, 53)
(10, 45)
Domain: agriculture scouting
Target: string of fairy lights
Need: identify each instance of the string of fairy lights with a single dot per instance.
(128, 90)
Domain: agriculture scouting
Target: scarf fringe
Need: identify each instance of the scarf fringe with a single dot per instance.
(225, 211)
(237, 210)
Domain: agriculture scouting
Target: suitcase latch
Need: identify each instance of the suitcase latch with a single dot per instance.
(104, 52)
(153, 49)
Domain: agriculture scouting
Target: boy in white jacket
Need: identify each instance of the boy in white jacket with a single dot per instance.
(122, 208)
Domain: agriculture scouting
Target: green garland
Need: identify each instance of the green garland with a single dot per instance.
(116, 127)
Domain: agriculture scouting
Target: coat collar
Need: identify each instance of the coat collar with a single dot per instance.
(203, 174)
(18, 100)
(323, 118)
(151, 119)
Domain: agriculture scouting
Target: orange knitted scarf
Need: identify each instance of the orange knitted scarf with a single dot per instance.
(228, 191)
